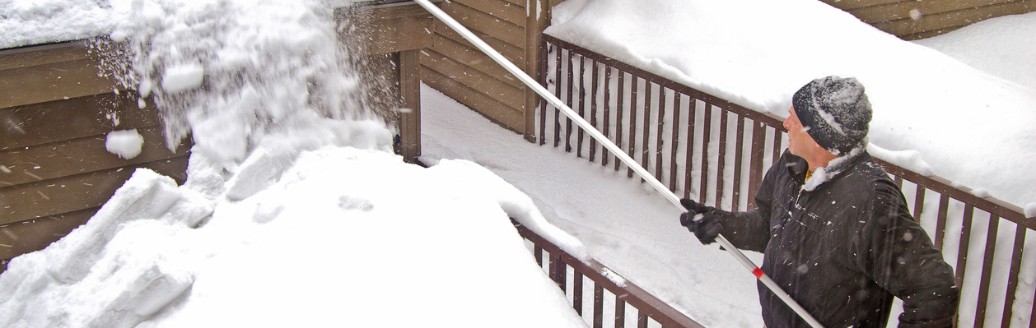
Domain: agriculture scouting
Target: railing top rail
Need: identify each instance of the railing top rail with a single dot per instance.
(632, 294)
(667, 83)
(988, 204)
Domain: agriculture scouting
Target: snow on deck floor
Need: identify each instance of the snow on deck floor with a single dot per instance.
(624, 225)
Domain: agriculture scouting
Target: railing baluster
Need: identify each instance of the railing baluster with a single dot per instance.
(898, 181)
(659, 126)
(618, 116)
(634, 86)
(582, 105)
(647, 127)
(965, 239)
(642, 319)
(538, 251)
(722, 161)
(987, 270)
(777, 136)
(675, 141)
(918, 202)
(593, 108)
(940, 221)
(598, 305)
(1012, 276)
(570, 103)
(739, 144)
(705, 137)
(755, 170)
(557, 91)
(543, 103)
(577, 292)
(607, 111)
(620, 312)
(689, 164)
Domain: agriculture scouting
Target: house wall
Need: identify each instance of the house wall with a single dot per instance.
(55, 113)
(458, 69)
(935, 17)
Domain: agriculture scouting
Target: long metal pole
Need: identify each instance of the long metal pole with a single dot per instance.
(614, 149)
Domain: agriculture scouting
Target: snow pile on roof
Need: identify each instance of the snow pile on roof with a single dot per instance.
(968, 126)
(1011, 35)
(346, 237)
(295, 212)
(28, 22)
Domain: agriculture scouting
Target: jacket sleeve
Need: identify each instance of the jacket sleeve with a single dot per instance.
(751, 230)
(899, 256)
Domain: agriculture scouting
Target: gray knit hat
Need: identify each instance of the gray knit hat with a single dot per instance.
(835, 112)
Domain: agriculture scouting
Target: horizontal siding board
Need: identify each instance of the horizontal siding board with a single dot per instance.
(475, 80)
(856, 4)
(33, 235)
(512, 53)
(901, 10)
(946, 21)
(55, 81)
(393, 35)
(495, 111)
(474, 58)
(74, 193)
(42, 55)
(487, 24)
(380, 12)
(78, 156)
(507, 11)
(519, 3)
(61, 120)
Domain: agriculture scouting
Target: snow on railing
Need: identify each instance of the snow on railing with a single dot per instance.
(712, 149)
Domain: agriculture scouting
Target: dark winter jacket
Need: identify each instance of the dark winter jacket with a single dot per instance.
(844, 249)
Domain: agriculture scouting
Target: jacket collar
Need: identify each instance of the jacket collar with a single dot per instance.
(798, 166)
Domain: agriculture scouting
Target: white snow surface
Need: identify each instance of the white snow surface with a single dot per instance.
(969, 126)
(971, 45)
(295, 211)
(624, 224)
(124, 143)
(346, 236)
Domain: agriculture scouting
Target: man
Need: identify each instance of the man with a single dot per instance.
(834, 229)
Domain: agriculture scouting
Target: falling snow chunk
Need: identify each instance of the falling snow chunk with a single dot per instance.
(1030, 210)
(4, 169)
(182, 77)
(915, 14)
(125, 144)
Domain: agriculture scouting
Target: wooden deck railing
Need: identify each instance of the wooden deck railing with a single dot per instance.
(610, 291)
(694, 141)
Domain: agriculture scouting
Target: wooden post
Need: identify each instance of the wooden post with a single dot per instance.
(410, 94)
(537, 19)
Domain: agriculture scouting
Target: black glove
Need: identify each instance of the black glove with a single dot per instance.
(707, 227)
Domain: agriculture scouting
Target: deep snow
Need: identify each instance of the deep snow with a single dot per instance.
(720, 47)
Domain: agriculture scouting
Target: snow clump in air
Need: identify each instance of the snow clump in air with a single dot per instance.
(125, 143)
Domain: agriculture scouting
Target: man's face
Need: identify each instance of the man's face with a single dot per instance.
(799, 142)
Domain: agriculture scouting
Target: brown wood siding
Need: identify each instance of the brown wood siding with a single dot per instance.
(383, 30)
(461, 71)
(55, 113)
(936, 17)
(496, 111)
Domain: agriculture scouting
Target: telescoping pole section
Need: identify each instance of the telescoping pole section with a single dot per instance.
(614, 149)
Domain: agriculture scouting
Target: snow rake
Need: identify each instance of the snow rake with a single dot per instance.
(614, 149)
